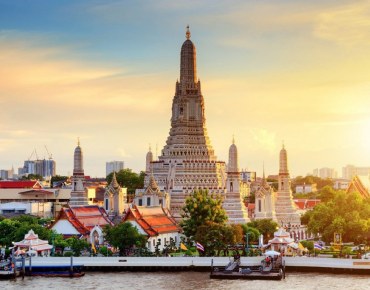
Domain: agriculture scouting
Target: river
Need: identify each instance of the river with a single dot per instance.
(188, 280)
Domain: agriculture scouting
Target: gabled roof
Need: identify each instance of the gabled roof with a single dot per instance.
(21, 184)
(153, 220)
(360, 184)
(85, 218)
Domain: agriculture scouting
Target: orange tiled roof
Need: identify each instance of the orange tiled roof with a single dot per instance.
(85, 218)
(357, 185)
(153, 220)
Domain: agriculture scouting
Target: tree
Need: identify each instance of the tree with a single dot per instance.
(57, 178)
(32, 177)
(345, 213)
(266, 227)
(201, 209)
(125, 237)
(77, 245)
(128, 178)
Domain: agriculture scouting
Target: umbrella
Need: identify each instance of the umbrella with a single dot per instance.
(271, 253)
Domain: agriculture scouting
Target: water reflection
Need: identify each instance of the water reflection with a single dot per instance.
(187, 280)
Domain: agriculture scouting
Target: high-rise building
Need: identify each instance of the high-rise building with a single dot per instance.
(45, 167)
(114, 166)
(350, 171)
(325, 172)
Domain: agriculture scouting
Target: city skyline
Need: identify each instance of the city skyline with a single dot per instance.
(105, 71)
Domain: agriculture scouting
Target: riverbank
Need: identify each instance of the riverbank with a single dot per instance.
(296, 264)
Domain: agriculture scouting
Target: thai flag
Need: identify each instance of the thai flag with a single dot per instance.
(317, 246)
(199, 247)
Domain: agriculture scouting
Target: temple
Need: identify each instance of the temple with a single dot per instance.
(187, 161)
(78, 193)
(279, 205)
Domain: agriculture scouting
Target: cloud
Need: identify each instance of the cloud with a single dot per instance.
(264, 139)
(348, 25)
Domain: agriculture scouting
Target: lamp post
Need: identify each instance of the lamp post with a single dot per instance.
(247, 245)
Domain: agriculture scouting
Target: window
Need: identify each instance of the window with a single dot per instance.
(153, 242)
(259, 205)
(140, 202)
(160, 201)
(165, 241)
(106, 204)
(148, 201)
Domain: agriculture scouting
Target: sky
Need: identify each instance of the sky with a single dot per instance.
(287, 71)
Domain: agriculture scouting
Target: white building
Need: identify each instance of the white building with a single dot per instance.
(114, 166)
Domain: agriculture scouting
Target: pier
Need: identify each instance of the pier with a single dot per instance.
(293, 264)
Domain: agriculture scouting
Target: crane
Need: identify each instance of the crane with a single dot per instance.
(50, 155)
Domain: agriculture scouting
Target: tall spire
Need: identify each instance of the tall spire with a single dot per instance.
(283, 169)
(188, 66)
(187, 32)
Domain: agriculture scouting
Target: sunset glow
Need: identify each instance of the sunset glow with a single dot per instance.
(105, 71)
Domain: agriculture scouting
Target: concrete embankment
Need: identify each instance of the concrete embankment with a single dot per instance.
(203, 263)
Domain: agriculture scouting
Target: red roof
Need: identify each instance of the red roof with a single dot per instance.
(153, 220)
(20, 184)
(306, 203)
(85, 218)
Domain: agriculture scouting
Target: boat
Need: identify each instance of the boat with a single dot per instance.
(55, 271)
(271, 268)
(8, 271)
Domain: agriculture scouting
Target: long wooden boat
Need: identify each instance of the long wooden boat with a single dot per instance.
(55, 271)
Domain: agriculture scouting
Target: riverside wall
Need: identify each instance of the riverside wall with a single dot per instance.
(305, 264)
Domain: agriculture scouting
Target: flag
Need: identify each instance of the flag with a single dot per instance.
(199, 247)
(317, 246)
(183, 247)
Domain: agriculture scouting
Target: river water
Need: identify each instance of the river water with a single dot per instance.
(188, 280)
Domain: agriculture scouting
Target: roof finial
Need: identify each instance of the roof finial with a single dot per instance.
(187, 32)
(283, 145)
(78, 141)
(233, 139)
(150, 147)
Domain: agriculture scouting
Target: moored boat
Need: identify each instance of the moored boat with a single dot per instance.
(271, 268)
(8, 270)
(55, 271)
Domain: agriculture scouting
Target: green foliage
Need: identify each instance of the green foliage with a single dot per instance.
(308, 244)
(201, 209)
(217, 237)
(14, 230)
(57, 178)
(105, 251)
(125, 237)
(77, 245)
(309, 179)
(129, 179)
(32, 177)
(253, 233)
(345, 213)
(266, 227)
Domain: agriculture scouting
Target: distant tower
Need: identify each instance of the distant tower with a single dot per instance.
(284, 205)
(149, 159)
(78, 193)
(237, 190)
